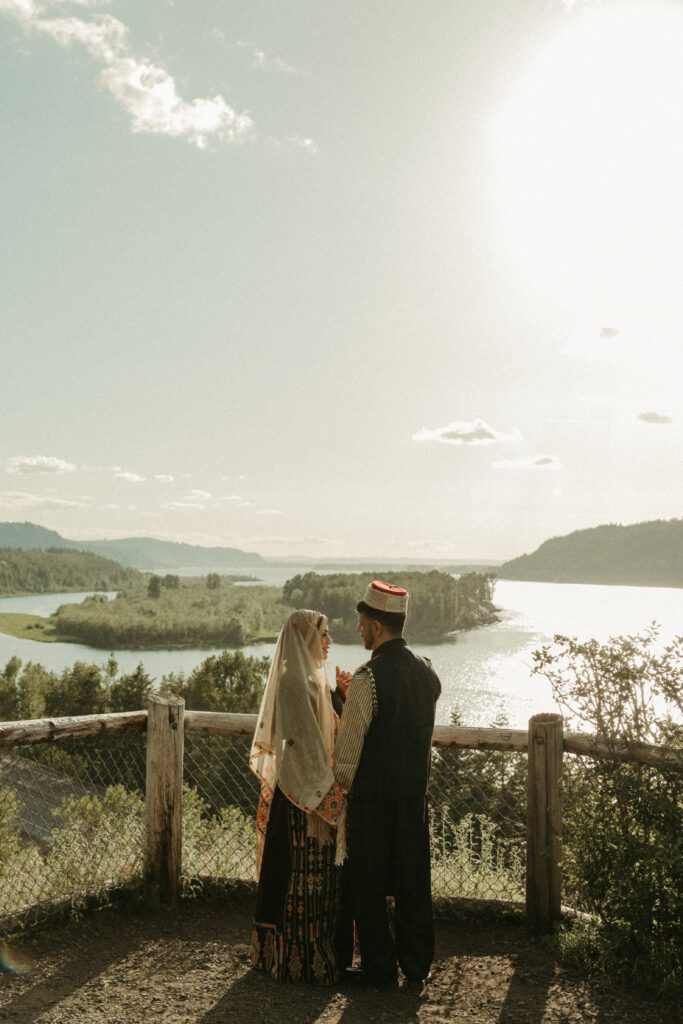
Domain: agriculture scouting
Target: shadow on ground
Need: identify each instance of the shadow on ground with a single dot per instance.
(124, 965)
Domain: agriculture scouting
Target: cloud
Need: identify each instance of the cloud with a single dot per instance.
(308, 144)
(198, 495)
(164, 478)
(609, 332)
(654, 417)
(20, 499)
(530, 462)
(184, 506)
(146, 91)
(265, 61)
(461, 432)
(132, 478)
(37, 464)
(232, 497)
(269, 512)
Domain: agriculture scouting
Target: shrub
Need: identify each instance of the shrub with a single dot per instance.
(624, 820)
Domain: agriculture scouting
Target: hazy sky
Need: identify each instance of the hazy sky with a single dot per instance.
(341, 277)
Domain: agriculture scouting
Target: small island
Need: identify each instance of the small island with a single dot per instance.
(218, 611)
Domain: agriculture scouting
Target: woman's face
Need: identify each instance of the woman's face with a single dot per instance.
(326, 642)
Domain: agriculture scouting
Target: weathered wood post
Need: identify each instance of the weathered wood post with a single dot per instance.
(544, 823)
(163, 797)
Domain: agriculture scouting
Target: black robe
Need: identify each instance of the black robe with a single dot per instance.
(388, 829)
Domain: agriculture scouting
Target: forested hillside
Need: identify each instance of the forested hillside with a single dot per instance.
(438, 603)
(55, 570)
(136, 552)
(645, 554)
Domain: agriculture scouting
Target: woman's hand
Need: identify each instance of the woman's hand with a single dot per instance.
(343, 679)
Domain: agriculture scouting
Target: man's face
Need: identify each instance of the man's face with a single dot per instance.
(366, 631)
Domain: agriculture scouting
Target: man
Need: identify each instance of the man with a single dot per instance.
(382, 760)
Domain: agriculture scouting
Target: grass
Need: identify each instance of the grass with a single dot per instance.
(31, 627)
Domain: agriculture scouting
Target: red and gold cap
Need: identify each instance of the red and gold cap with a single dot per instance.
(385, 597)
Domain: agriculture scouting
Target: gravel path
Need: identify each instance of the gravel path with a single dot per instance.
(124, 965)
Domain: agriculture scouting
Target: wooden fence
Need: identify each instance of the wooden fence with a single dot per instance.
(166, 723)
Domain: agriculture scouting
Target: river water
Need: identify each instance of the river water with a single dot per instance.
(485, 672)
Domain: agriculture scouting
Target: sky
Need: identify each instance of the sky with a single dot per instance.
(341, 279)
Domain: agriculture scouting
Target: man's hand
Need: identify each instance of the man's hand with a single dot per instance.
(343, 679)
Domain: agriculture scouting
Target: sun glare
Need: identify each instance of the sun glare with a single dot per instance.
(589, 161)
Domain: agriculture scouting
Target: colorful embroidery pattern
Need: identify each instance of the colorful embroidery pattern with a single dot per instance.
(331, 805)
(304, 950)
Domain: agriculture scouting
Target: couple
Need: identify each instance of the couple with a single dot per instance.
(356, 785)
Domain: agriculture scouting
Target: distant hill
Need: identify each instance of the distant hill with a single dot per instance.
(28, 536)
(646, 555)
(136, 552)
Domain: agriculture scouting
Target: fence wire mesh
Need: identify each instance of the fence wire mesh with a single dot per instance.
(478, 823)
(219, 809)
(72, 820)
(71, 823)
(477, 811)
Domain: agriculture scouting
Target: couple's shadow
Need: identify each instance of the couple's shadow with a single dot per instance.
(254, 998)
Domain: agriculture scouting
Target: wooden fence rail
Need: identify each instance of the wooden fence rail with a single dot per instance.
(166, 722)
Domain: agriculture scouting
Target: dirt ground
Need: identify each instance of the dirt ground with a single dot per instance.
(191, 966)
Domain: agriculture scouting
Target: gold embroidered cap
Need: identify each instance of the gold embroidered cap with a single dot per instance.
(385, 597)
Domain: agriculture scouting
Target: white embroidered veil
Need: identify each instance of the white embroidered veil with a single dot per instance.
(295, 729)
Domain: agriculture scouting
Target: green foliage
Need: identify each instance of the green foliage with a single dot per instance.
(625, 689)
(218, 845)
(59, 569)
(129, 692)
(10, 840)
(230, 681)
(9, 691)
(213, 581)
(478, 800)
(470, 860)
(624, 820)
(79, 690)
(439, 603)
(189, 614)
(98, 839)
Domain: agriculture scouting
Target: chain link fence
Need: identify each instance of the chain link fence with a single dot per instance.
(477, 812)
(478, 823)
(220, 795)
(71, 823)
(72, 820)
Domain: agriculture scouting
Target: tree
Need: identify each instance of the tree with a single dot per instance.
(80, 690)
(230, 681)
(213, 581)
(130, 692)
(9, 696)
(154, 586)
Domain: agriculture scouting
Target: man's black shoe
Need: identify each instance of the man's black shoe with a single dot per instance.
(357, 976)
(416, 985)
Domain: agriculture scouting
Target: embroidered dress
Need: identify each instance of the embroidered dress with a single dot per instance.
(298, 896)
(294, 934)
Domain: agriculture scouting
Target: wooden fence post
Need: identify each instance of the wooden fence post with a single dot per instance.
(163, 797)
(544, 823)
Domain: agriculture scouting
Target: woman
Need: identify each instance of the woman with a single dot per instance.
(299, 886)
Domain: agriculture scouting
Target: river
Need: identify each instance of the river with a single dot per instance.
(485, 672)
